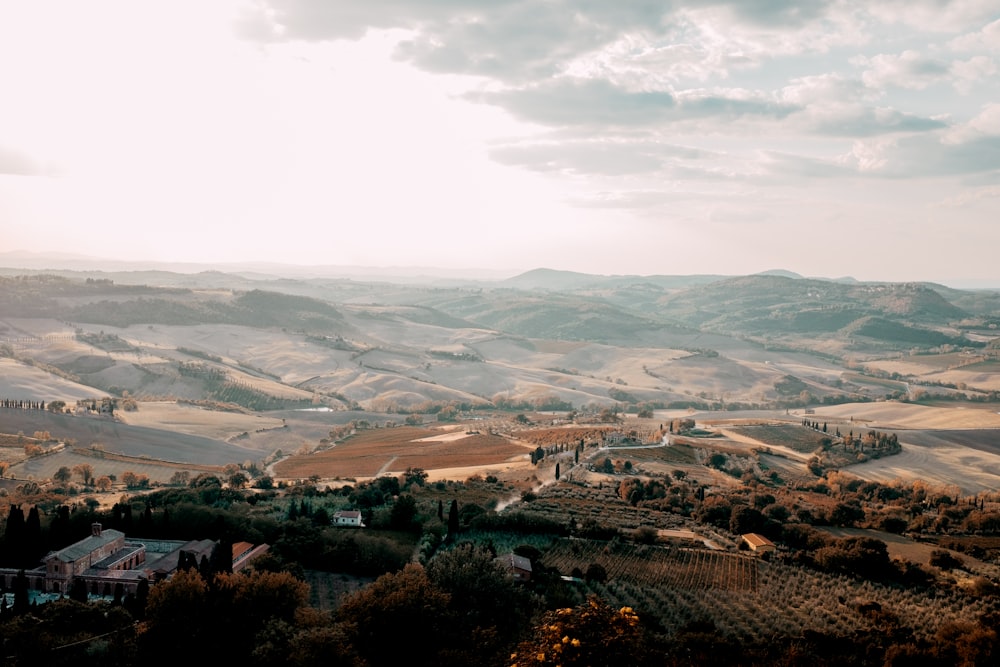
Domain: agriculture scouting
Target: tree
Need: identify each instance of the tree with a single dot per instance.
(4, 467)
(78, 590)
(20, 593)
(488, 609)
(13, 536)
(557, 471)
(180, 478)
(596, 572)
(745, 520)
(453, 519)
(85, 471)
(590, 634)
(402, 609)
(403, 511)
(63, 475)
(103, 483)
(414, 476)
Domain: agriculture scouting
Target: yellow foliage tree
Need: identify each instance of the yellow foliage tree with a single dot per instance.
(590, 634)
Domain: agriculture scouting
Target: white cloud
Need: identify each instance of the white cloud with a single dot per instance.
(983, 125)
(933, 16)
(987, 39)
(911, 70)
(339, 130)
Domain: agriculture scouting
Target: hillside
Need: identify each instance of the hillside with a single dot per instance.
(576, 340)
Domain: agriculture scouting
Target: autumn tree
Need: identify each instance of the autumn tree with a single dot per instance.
(85, 472)
(590, 634)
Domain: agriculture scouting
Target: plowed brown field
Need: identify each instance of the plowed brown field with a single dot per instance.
(396, 449)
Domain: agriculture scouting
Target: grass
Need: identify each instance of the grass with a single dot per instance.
(792, 436)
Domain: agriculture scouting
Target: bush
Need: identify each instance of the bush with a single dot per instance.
(945, 560)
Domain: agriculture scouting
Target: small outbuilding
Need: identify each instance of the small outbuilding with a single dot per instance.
(758, 543)
(518, 567)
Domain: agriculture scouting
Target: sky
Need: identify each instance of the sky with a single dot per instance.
(829, 137)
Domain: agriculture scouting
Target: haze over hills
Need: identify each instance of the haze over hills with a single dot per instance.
(540, 338)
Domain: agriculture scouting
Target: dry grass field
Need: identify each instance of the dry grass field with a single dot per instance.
(379, 451)
(889, 415)
(194, 420)
(24, 382)
(43, 467)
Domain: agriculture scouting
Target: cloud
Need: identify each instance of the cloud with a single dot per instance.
(613, 157)
(984, 125)
(518, 40)
(568, 102)
(16, 163)
(932, 15)
(987, 39)
(510, 40)
(598, 103)
(924, 155)
(912, 71)
(861, 121)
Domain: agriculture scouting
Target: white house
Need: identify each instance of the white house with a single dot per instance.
(348, 518)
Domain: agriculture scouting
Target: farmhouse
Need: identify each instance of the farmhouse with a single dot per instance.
(348, 518)
(758, 543)
(518, 567)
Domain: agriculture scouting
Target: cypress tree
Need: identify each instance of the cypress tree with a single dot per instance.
(33, 547)
(20, 593)
(453, 519)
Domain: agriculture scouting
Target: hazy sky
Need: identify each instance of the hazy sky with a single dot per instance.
(827, 137)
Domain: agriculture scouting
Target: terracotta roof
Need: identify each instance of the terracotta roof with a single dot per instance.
(241, 548)
(756, 540)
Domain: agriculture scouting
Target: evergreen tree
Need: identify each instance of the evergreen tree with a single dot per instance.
(33, 547)
(557, 471)
(13, 537)
(78, 590)
(453, 519)
(127, 519)
(20, 593)
(222, 557)
(440, 510)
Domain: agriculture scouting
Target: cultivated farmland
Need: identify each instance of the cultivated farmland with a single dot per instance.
(376, 451)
